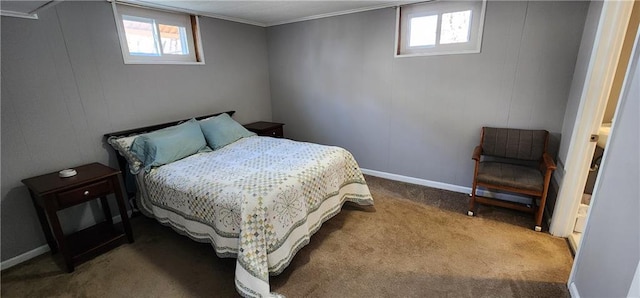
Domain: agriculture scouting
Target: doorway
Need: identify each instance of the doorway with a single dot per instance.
(614, 23)
(604, 129)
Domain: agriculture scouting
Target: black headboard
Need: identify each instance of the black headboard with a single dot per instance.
(122, 163)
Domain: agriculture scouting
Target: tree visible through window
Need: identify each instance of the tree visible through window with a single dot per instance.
(455, 27)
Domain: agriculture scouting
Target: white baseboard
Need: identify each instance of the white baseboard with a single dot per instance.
(418, 181)
(24, 257)
(573, 290)
(447, 186)
(574, 241)
(42, 249)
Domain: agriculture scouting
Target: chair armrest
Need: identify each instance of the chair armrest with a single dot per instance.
(548, 161)
(476, 153)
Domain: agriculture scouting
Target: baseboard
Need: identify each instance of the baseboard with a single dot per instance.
(42, 249)
(24, 257)
(447, 186)
(418, 181)
(573, 290)
(573, 241)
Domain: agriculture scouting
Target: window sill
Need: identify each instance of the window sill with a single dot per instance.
(474, 51)
(164, 62)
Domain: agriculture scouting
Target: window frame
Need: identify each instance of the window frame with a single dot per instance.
(402, 33)
(189, 21)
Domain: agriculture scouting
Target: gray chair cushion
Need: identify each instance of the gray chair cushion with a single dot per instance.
(514, 143)
(509, 175)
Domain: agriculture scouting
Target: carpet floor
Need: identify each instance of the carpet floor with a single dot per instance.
(415, 242)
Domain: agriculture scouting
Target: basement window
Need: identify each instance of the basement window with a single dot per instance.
(149, 36)
(439, 28)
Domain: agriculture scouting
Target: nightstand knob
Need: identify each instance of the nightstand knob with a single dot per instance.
(86, 192)
(273, 133)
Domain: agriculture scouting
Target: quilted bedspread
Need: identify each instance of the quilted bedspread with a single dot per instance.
(258, 199)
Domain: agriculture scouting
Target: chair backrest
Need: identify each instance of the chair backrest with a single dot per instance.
(521, 144)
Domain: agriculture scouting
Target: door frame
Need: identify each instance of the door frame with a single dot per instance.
(629, 76)
(607, 46)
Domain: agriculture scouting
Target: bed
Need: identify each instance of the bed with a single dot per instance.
(257, 199)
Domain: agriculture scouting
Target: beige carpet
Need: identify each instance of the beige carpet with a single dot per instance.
(416, 242)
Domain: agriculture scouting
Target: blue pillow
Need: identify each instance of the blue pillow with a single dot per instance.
(221, 130)
(169, 144)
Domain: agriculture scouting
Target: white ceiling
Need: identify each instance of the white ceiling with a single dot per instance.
(268, 13)
(260, 13)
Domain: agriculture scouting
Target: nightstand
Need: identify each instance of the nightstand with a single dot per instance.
(268, 129)
(51, 193)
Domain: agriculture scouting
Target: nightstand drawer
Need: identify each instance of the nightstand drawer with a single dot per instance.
(84, 193)
(276, 132)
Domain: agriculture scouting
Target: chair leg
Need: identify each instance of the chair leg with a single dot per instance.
(540, 213)
(472, 201)
(543, 200)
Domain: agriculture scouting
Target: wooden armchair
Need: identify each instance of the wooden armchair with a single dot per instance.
(513, 160)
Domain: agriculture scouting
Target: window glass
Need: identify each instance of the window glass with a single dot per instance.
(455, 27)
(423, 31)
(173, 39)
(140, 35)
(150, 36)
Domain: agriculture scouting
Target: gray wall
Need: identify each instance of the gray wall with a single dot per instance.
(335, 81)
(608, 256)
(64, 85)
(579, 76)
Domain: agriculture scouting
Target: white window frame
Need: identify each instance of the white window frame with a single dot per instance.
(190, 22)
(403, 14)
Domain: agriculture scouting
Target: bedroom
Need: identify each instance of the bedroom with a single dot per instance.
(64, 86)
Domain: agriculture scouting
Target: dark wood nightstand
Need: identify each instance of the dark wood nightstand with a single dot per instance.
(51, 193)
(269, 129)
